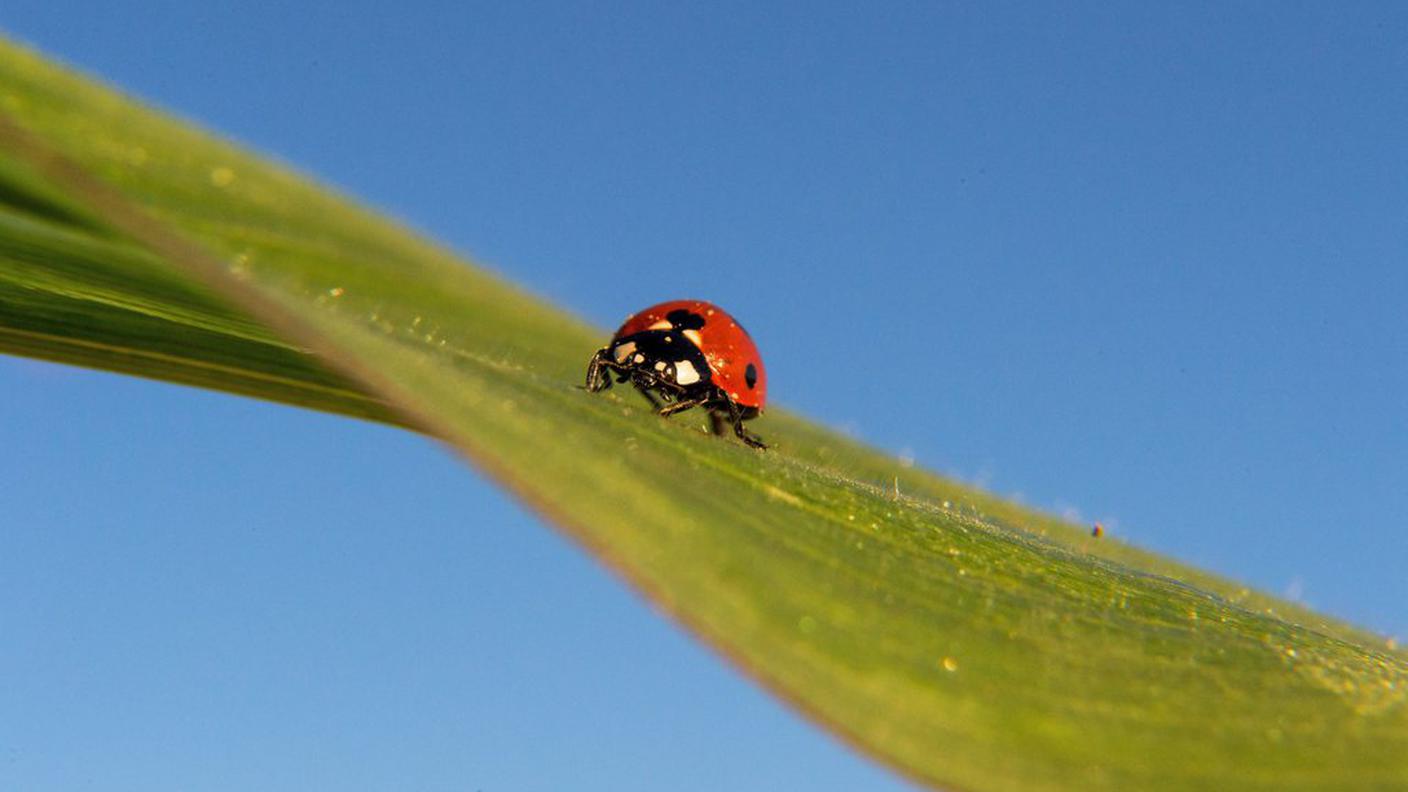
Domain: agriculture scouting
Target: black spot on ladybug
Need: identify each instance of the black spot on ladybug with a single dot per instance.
(685, 320)
(750, 375)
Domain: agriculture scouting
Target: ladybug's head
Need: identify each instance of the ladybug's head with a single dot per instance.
(664, 355)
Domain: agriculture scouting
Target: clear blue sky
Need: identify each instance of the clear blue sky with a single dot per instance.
(1147, 265)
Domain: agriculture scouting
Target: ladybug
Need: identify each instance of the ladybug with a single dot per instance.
(687, 353)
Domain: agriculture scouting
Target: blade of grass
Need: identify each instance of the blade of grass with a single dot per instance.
(73, 293)
(977, 645)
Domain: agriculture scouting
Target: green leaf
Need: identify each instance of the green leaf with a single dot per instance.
(964, 641)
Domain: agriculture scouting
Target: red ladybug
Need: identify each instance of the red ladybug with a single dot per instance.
(687, 353)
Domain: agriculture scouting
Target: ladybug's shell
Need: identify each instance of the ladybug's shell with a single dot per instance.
(725, 344)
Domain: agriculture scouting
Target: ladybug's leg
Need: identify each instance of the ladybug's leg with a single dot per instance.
(751, 439)
(681, 406)
(736, 418)
(716, 422)
(599, 372)
(649, 396)
(647, 385)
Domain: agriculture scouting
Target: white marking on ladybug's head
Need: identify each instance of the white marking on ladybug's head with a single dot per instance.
(693, 335)
(639, 358)
(685, 373)
(663, 324)
(624, 351)
(659, 365)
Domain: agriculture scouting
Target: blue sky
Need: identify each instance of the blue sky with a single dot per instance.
(1143, 264)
